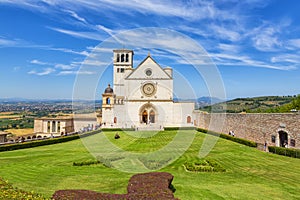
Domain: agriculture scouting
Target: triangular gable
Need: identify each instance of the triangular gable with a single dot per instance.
(148, 63)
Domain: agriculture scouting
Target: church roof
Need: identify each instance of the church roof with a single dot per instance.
(108, 89)
(146, 63)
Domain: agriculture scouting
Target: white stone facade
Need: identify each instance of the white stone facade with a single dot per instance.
(142, 97)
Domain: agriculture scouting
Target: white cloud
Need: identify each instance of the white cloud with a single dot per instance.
(65, 50)
(88, 35)
(37, 62)
(64, 67)
(225, 33)
(288, 58)
(76, 16)
(5, 42)
(229, 48)
(70, 72)
(293, 44)
(238, 60)
(46, 71)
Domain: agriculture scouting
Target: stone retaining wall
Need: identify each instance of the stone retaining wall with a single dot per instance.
(275, 129)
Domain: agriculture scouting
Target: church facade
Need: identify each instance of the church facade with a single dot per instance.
(142, 97)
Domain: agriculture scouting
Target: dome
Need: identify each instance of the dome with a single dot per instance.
(108, 89)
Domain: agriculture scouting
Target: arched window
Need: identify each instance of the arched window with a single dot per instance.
(127, 57)
(122, 58)
(118, 57)
(188, 119)
(108, 101)
(115, 120)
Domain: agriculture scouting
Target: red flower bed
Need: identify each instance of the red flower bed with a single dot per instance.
(154, 185)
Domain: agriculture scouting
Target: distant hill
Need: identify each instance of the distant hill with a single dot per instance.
(201, 101)
(265, 104)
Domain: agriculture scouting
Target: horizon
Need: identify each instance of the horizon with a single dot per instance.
(253, 44)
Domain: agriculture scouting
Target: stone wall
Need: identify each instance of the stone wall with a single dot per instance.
(275, 129)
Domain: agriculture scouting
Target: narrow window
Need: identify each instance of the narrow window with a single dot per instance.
(122, 70)
(53, 127)
(58, 126)
(108, 101)
(293, 143)
(273, 138)
(122, 58)
(118, 57)
(127, 57)
(48, 126)
(118, 70)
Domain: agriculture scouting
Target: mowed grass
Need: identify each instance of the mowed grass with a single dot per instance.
(251, 174)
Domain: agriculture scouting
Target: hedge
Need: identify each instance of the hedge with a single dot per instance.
(118, 129)
(179, 128)
(228, 137)
(36, 143)
(295, 153)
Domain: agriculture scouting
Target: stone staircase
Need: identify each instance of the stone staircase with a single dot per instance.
(149, 127)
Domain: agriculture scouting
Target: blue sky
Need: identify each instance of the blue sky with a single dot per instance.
(254, 44)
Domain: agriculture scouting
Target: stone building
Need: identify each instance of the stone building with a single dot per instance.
(142, 97)
(61, 125)
(277, 129)
(52, 126)
(3, 137)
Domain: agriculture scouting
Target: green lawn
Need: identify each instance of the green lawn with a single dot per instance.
(250, 174)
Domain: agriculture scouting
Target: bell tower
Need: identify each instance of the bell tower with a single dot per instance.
(123, 65)
(108, 101)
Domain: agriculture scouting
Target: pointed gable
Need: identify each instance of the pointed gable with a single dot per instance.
(148, 69)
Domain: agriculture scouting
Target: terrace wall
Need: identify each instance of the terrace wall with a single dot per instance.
(255, 127)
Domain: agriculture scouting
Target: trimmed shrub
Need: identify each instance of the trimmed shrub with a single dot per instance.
(179, 128)
(84, 163)
(36, 143)
(118, 129)
(295, 153)
(204, 166)
(228, 137)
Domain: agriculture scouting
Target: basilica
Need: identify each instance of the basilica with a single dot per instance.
(142, 97)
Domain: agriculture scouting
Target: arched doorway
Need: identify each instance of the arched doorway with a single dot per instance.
(283, 139)
(148, 114)
(145, 117)
(188, 119)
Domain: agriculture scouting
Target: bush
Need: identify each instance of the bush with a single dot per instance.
(36, 143)
(7, 191)
(118, 129)
(90, 162)
(179, 128)
(228, 137)
(295, 153)
(204, 166)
